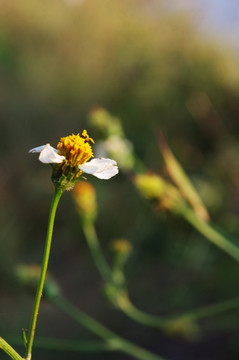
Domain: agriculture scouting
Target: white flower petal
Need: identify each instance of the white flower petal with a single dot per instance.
(101, 168)
(48, 154)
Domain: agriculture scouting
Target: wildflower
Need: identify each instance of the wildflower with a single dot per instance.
(71, 159)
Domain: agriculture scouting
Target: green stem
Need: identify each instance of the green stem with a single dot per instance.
(96, 251)
(115, 341)
(155, 321)
(129, 309)
(123, 300)
(80, 317)
(64, 344)
(210, 310)
(56, 198)
(70, 345)
(9, 350)
(209, 232)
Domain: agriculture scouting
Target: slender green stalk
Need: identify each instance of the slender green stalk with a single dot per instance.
(137, 351)
(197, 314)
(116, 342)
(75, 345)
(129, 309)
(122, 299)
(96, 251)
(56, 198)
(64, 344)
(142, 317)
(80, 317)
(209, 232)
(9, 350)
(210, 310)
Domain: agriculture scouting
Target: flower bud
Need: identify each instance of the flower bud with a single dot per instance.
(121, 247)
(85, 200)
(151, 186)
(184, 328)
(155, 188)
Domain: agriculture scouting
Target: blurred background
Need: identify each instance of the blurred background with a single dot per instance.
(154, 65)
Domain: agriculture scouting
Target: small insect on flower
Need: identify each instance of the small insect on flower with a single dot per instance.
(71, 159)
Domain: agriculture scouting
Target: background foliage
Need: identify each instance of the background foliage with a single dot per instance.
(154, 70)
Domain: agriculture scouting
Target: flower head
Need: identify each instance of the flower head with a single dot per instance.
(76, 148)
(71, 159)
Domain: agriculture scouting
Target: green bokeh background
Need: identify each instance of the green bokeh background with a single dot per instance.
(154, 69)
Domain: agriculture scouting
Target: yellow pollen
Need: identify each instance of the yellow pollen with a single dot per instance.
(76, 148)
(86, 136)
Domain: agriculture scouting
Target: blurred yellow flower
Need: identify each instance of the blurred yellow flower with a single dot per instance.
(85, 199)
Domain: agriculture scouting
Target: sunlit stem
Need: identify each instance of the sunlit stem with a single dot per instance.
(9, 350)
(208, 231)
(56, 198)
(115, 341)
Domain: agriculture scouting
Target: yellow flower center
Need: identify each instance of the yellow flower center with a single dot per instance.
(76, 148)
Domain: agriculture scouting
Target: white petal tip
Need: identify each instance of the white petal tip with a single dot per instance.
(37, 149)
